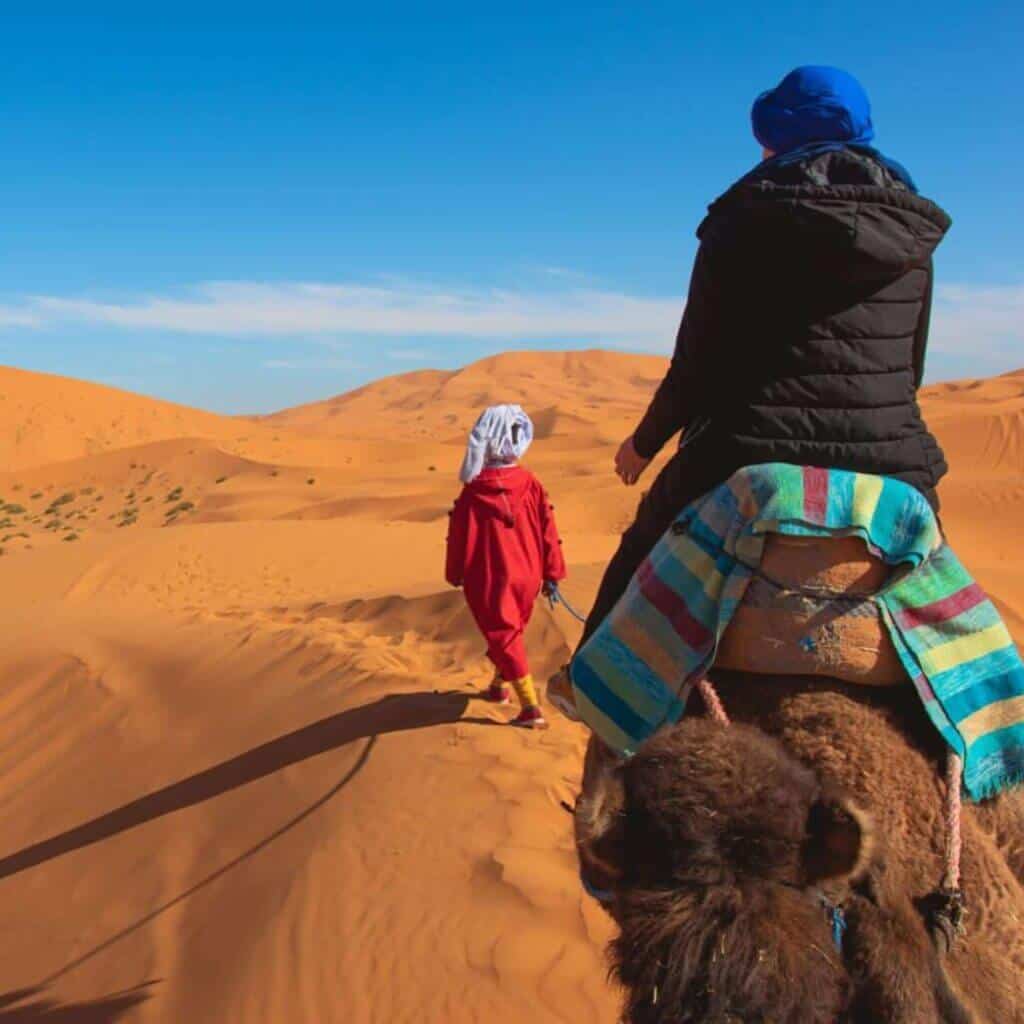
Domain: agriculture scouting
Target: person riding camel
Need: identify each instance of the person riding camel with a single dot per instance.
(804, 335)
(503, 548)
(794, 537)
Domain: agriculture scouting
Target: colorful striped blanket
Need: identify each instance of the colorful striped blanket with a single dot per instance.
(636, 672)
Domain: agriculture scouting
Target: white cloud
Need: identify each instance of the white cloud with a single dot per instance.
(13, 316)
(979, 320)
(311, 364)
(399, 309)
(410, 355)
(563, 273)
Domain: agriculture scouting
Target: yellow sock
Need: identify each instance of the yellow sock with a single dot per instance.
(526, 692)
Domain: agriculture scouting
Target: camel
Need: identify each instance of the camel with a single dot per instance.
(722, 848)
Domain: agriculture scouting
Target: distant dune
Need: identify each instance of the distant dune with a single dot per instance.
(566, 392)
(245, 770)
(44, 418)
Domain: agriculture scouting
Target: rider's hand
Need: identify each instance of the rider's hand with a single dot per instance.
(629, 464)
(549, 588)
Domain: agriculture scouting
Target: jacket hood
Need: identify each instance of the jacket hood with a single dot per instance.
(840, 211)
(500, 492)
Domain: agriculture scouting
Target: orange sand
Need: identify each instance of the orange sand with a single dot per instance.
(245, 774)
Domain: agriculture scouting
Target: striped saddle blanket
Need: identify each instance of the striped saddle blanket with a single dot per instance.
(636, 672)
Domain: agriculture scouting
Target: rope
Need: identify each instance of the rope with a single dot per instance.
(944, 908)
(954, 839)
(555, 596)
(712, 701)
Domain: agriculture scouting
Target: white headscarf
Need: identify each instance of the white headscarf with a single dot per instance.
(493, 441)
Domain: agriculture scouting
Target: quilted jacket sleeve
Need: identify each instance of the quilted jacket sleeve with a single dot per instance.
(683, 392)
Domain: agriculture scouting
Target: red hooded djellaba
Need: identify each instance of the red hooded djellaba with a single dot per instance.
(503, 548)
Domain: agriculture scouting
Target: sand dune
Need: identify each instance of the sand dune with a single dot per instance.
(246, 773)
(567, 393)
(44, 418)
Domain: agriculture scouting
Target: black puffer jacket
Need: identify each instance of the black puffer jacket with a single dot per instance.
(804, 334)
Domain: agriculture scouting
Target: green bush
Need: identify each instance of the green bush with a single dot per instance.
(182, 506)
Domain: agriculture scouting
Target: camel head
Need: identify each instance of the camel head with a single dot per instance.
(715, 847)
(714, 844)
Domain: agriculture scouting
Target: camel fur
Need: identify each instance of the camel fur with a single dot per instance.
(722, 845)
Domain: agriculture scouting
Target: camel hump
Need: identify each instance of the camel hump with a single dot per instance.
(810, 611)
(838, 565)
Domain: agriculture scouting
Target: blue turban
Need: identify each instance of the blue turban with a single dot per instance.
(813, 104)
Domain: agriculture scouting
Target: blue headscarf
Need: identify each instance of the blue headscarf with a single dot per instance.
(813, 110)
(813, 104)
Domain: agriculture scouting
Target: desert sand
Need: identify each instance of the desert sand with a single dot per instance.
(245, 771)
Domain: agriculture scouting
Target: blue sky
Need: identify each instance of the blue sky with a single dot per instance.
(243, 211)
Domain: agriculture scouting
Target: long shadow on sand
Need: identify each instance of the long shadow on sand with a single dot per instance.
(390, 714)
(42, 1010)
(396, 713)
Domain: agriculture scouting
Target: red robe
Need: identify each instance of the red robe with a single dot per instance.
(502, 546)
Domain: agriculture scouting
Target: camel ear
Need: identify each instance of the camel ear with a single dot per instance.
(600, 819)
(837, 843)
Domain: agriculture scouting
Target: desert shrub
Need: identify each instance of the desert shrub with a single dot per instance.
(175, 494)
(58, 503)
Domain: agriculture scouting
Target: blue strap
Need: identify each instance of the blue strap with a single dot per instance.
(837, 919)
(555, 596)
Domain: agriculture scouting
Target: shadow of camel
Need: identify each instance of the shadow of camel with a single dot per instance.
(395, 713)
(48, 1011)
